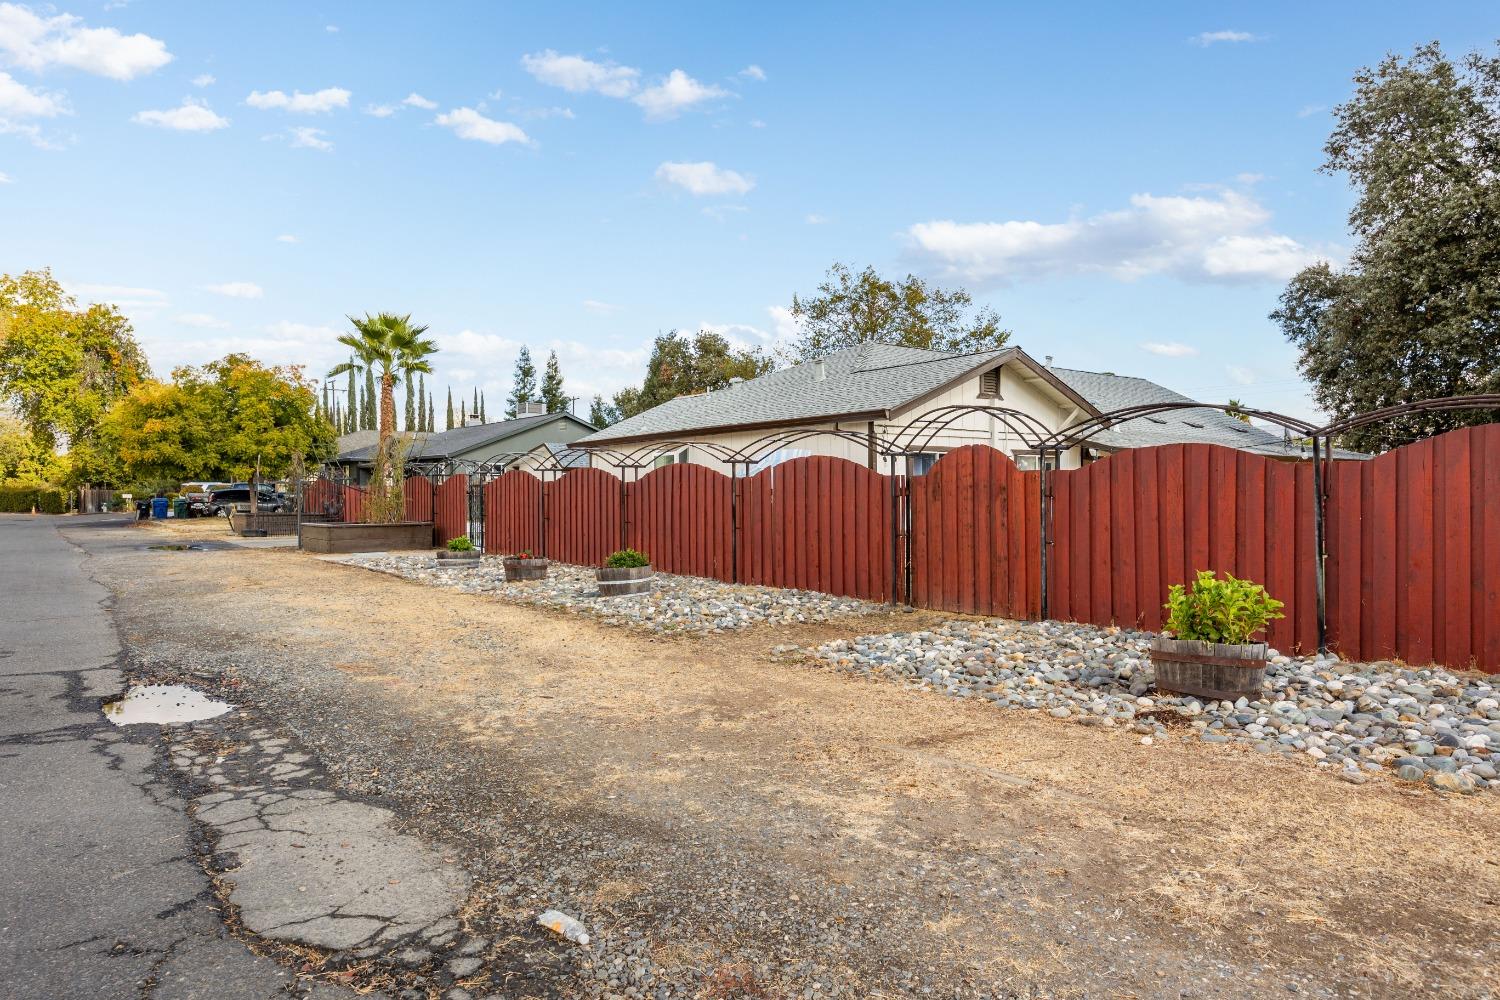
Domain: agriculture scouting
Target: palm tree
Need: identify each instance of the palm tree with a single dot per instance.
(391, 348)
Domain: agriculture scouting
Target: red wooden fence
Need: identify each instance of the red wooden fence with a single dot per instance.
(1126, 528)
(582, 516)
(450, 514)
(419, 498)
(975, 545)
(818, 523)
(513, 514)
(1412, 537)
(1413, 550)
(682, 516)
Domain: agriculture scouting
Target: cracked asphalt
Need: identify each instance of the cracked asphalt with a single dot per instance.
(103, 894)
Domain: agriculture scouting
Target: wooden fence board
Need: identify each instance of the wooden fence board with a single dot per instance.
(513, 513)
(680, 516)
(582, 516)
(450, 509)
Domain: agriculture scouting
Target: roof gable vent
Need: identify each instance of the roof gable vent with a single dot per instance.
(989, 384)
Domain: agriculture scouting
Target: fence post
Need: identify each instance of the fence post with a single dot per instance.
(1319, 544)
(895, 536)
(734, 522)
(541, 514)
(1044, 529)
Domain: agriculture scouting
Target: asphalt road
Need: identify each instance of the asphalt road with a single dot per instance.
(102, 895)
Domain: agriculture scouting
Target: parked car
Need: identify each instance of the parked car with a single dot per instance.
(221, 502)
(199, 504)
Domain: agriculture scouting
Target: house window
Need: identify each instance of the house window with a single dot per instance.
(1030, 461)
(989, 384)
(922, 463)
(670, 458)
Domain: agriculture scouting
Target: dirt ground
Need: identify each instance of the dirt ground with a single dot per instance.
(766, 827)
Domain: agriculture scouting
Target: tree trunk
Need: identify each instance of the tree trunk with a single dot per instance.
(387, 405)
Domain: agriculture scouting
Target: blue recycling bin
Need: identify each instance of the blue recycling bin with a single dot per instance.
(159, 507)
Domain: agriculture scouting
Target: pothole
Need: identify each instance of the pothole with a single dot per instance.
(177, 547)
(164, 704)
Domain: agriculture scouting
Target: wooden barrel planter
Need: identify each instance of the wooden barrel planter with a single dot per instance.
(1215, 670)
(625, 581)
(517, 569)
(457, 560)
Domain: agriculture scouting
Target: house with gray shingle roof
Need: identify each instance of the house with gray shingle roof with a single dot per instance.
(853, 401)
(503, 444)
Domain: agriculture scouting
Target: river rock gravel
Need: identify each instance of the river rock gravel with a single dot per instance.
(1426, 725)
(675, 604)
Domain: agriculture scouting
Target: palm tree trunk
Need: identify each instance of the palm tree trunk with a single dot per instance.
(387, 405)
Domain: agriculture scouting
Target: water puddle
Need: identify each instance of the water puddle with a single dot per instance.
(177, 548)
(163, 703)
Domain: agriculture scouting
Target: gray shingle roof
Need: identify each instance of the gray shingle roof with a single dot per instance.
(870, 378)
(1108, 392)
(438, 445)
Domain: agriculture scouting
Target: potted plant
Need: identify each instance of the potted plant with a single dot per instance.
(1209, 652)
(625, 572)
(524, 565)
(460, 552)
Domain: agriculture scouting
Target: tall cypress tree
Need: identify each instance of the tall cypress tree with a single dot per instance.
(482, 417)
(351, 407)
(411, 405)
(450, 407)
(552, 386)
(422, 403)
(431, 416)
(370, 398)
(523, 388)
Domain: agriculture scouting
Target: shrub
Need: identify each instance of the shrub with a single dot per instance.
(460, 544)
(1213, 610)
(20, 498)
(627, 559)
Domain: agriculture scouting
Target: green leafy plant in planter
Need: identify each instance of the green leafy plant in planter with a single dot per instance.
(1230, 610)
(1209, 652)
(460, 544)
(627, 559)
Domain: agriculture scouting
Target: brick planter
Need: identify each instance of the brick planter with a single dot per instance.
(517, 569)
(1209, 669)
(330, 538)
(623, 582)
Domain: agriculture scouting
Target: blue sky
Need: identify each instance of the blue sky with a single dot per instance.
(1129, 189)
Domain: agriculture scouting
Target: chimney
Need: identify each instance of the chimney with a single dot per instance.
(1047, 362)
(532, 406)
(820, 371)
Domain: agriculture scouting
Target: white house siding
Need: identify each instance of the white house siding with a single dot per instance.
(970, 428)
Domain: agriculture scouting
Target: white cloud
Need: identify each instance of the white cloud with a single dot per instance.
(1308, 110)
(601, 308)
(306, 137)
(6, 178)
(319, 102)
(1214, 37)
(123, 296)
(467, 123)
(537, 113)
(785, 327)
(19, 101)
(204, 80)
(202, 321)
(238, 290)
(757, 123)
(1203, 238)
(1241, 374)
(287, 238)
(381, 110)
(675, 94)
(580, 75)
(332, 29)
(753, 72)
(415, 100)
(36, 43)
(190, 116)
(704, 178)
(1171, 349)
(814, 219)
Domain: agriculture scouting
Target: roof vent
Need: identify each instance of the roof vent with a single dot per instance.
(820, 370)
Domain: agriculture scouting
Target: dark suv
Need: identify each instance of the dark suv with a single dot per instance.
(221, 502)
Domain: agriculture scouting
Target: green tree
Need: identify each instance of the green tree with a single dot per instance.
(431, 415)
(368, 417)
(62, 367)
(852, 309)
(1415, 313)
(523, 385)
(450, 408)
(680, 366)
(411, 407)
(214, 422)
(601, 414)
(422, 403)
(351, 403)
(23, 460)
(552, 386)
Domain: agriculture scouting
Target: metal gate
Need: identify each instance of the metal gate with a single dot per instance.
(476, 511)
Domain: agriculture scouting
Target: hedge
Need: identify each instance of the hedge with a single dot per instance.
(20, 499)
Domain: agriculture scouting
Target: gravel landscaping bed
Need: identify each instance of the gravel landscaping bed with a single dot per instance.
(676, 603)
(1427, 725)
